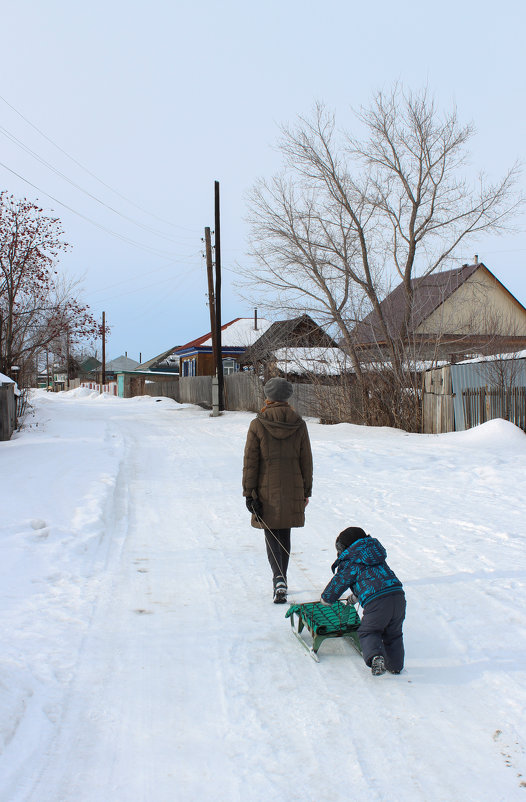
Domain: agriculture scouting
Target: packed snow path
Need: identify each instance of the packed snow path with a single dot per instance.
(143, 661)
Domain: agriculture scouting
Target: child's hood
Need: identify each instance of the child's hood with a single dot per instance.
(366, 551)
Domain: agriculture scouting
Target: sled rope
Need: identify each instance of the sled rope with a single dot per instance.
(341, 610)
(266, 528)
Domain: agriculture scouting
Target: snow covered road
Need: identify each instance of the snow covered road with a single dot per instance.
(142, 659)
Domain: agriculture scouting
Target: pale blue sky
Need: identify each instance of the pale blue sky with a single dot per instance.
(159, 99)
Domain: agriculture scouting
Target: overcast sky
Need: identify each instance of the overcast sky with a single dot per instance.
(143, 105)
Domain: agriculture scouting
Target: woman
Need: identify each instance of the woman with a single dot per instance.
(277, 477)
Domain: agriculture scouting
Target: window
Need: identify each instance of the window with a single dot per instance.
(229, 366)
(189, 367)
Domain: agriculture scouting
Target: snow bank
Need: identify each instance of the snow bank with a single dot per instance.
(495, 434)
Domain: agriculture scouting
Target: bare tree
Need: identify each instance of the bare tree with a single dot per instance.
(348, 215)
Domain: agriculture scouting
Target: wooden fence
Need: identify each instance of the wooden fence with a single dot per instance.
(166, 389)
(483, 404)
(244, 391)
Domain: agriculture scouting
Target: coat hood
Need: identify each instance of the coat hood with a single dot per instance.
(280, 420)
(366, 551)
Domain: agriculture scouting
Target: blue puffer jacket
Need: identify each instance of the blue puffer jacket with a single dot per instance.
(363, 569)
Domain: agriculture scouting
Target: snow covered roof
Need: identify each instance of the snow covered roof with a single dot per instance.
(238, 333)
(167, 359)
(6, 380)
(493, 358)
(324, 361)
(297, 332)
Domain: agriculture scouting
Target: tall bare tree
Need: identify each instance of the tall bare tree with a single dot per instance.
(348, 215)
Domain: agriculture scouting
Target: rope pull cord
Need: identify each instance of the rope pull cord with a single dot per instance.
(266, 528)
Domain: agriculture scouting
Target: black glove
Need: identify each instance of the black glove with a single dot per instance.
(254, 505)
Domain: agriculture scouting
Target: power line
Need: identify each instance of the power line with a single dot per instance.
(43, 161)
(120, 195)
(122, 237)
(179, 278)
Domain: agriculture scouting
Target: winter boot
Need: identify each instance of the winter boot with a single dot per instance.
(378, 665)
(280, 591)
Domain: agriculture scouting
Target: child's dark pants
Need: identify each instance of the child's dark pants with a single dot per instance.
(381, 630)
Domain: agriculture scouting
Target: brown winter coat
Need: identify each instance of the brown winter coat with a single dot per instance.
(278, 466)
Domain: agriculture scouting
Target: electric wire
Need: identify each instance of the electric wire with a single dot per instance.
(134, 243)
(62, 175)
(89, 172)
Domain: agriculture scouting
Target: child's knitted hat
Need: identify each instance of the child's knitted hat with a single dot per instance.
(348, 537)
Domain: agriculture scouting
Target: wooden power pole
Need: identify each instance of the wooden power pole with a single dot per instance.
(211, 295)
(219, 362)
(103, 372)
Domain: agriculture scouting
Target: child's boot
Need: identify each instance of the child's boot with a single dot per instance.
(378, 665)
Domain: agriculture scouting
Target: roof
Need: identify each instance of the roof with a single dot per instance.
(494, 358)
(90, 363)
(429, 293)
(320, 361)
(238, 334)
(121, 363)
(299, 331)
(6, 380)
(169, 358)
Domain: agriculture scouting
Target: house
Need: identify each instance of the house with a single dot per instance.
(87, 365)
(165, 363)
(197, 358)
(161, 368)
(296, 346)
(118, 365)
(455, 313)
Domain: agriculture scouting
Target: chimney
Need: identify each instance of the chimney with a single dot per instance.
(255, 319)
(476, 259)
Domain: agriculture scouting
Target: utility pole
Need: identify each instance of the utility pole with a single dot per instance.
(211, 297)
(103, 373)
(219, 362)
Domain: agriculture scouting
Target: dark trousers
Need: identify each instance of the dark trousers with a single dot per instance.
(278, 551)
(381, 630)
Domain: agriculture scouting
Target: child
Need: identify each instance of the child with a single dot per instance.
(361, 567)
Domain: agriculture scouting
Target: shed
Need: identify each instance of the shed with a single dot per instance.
(284, 338)
(459, 396)
(8, 395)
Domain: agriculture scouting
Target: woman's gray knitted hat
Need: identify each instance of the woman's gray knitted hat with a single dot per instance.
(278, 389)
